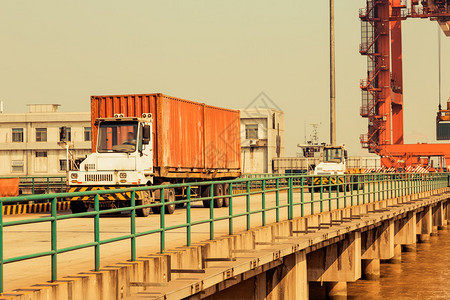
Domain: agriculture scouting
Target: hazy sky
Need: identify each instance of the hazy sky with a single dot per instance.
(222, 53)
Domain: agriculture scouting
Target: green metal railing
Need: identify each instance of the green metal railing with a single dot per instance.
(42, 183)
(33, 184)
(290, 197)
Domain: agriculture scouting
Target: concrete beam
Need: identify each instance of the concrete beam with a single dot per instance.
(378, 243)
(337, 262)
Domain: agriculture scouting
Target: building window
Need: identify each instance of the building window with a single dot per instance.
(251, 131)
(67, 136)
(41, 134)
(41, 153)
(273, 121)
(17, 165)
(17, 135)
(87, 134)
(63, 165)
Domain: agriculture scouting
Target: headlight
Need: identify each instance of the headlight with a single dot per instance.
(123, 175)
(74, 175)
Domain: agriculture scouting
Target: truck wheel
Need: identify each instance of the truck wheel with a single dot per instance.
(78, 207)
(169, 196)
(218, 191)
(146, 198)
(226, 191)
(206, 193)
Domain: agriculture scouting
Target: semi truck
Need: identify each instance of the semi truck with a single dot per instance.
(155, 139)
(334, 163)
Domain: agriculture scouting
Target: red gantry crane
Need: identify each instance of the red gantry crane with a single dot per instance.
(382, 90)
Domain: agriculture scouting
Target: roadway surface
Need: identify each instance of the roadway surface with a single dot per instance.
(32, 238)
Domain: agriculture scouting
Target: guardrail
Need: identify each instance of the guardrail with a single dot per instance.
(42, 183)
(311, 194)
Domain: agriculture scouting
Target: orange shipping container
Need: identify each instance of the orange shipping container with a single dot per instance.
(9, 187)
(188, 136)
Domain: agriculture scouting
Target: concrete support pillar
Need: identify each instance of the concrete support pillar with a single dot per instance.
(337, 262)
(378, 243)
(336, 290)
(371, 269)
(405, 229)
(447, 211)
(286, 281)
(439, 216)
(289, 281)
(424, 224)
(397, 258)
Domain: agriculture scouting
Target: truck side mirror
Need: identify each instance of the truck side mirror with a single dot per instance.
(345, 154)
(146, 135)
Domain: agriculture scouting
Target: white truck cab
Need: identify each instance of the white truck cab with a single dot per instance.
(124, 154)
(333, 161)
(123, 158)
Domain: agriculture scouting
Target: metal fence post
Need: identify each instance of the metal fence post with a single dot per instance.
(263, 204)
(162, 222)
(188, 216)
(97, 231)
(329, 190)
(133, 225)
(230, 211)
(364, 189)
(277, 200)
(352, 186)
(379, 187)
(338, 187)
(291, 199)
(211, 212)
(302, 196)
(321, 193)
(54, 241)
(247, 208)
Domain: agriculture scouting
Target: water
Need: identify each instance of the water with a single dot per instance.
(423, 274)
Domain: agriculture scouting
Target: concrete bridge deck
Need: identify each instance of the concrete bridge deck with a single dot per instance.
(332, 246)
(279, 260)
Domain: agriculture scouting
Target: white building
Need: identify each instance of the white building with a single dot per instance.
(262, 139)
(29, 141)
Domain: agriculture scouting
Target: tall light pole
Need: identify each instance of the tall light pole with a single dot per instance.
(332, 79)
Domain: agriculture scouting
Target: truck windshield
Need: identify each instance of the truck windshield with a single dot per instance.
(333, 155)
(117, 137)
